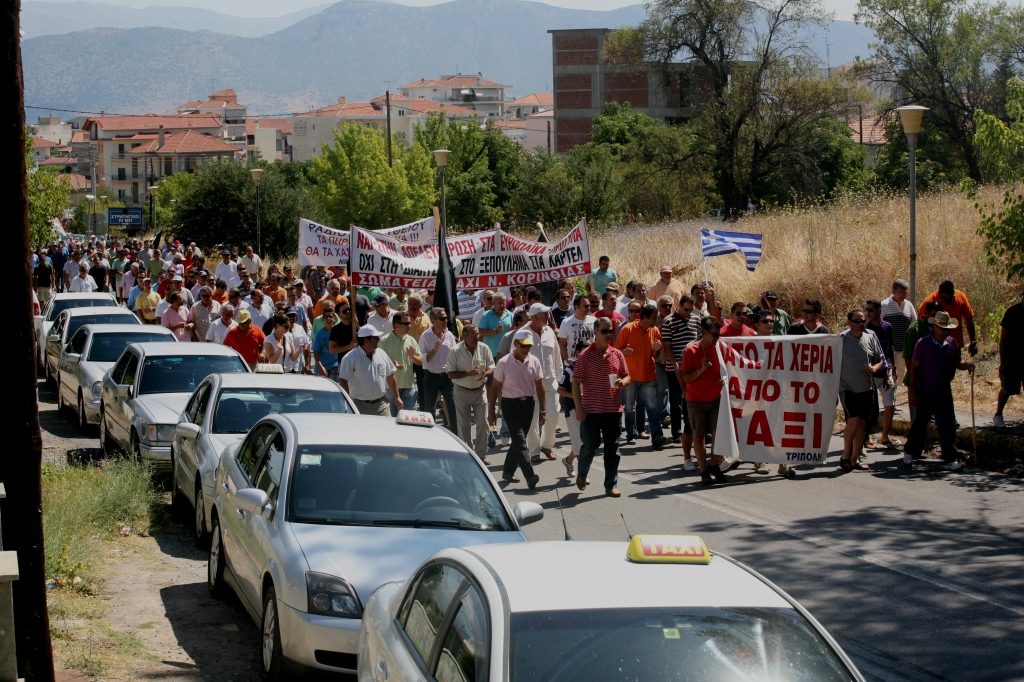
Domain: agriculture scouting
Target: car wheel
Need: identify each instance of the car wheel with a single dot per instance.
(199, 518)
(83, 421)
(60, 398)
(215, 562)
(179, 505)
(47, 375)
(135, 452)
(275, 667)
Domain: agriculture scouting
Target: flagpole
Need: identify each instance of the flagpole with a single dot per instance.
(352, 283)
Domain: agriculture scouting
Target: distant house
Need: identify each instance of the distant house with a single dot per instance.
(535, 131)
(41, 149)
(223, 103)
(53, 128)
(269, 138)
(527, 105)
(472, 92)
(585, 81)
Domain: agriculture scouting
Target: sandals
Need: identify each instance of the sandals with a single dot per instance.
(845, 464)
(886, 444)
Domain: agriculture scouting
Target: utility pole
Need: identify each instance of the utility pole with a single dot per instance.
(387, 108)
(549, 135)
(21, 461)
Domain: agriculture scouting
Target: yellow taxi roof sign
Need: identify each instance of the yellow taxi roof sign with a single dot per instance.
(415, 418)
(668, 549)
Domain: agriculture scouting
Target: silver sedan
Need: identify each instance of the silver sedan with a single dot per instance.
(69, 322)
(57, 304)
(89, 354)
(313, 512)
(219, 414)
(144, 393)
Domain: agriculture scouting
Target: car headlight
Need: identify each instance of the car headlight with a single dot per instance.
(97, 390)
(327, 595)
(156, 433)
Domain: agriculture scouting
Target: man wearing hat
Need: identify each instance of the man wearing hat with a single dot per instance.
(781, 319)
(245, 337)
(470, 365)
(518, 382)
(667, 285)
(541, 439)
(380, 317)
(367, 373)
(933, 365)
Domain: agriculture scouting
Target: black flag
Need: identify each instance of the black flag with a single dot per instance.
(548, 290)
(444, 286)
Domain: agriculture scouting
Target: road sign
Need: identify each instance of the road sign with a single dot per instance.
(124, 217)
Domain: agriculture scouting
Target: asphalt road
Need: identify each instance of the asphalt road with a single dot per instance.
(919, 576)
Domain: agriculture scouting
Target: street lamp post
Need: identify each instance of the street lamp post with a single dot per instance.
(441, 160)
(152, 208)
(910, 117)
(105, 221)
(92, 214)
(257, 175)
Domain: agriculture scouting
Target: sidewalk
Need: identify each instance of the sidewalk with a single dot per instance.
(998, 449)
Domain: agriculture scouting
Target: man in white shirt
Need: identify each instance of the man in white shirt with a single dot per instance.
(220, 328)
(367, 373)
(578, 327)
(84, 283)
(227, 270)
(380, 317)
(253, 263)
(260, 307)
(546, 349)
(487, 299)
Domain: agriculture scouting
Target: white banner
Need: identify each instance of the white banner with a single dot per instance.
(322, 245)
(485, 259)
(782, 410)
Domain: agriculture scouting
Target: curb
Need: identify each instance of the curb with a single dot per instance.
(990, 440)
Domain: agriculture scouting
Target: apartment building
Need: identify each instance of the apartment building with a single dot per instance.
(269, 139)
(53, 128)
(472, 92)
(223, 103)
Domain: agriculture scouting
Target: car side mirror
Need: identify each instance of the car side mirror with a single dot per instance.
(72, 357)
(123, 391)
(254, 501)
(527, 512)
(53, 338)
(187, 430)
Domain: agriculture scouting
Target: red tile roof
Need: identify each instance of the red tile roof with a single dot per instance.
(345, 109)
(154, 121)
(59, 161)
(422, 105)
(282, 124)
(540, 99)
(79, 136)
(456, 81)
(42, 143)
(77, 181)
(186, 142)
(874, 130)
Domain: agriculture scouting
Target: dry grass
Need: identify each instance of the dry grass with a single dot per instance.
(841, 255)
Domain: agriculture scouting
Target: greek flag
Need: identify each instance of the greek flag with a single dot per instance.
(720, 242)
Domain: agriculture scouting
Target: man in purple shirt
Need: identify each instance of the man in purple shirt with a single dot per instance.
(935, 362)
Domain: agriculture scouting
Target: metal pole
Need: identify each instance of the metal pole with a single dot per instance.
(387, 108)
(259, 236)
(444, 211)
(912, 144)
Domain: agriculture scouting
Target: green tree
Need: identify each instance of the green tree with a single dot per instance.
(1002, 144)
(951, 56)
(597, 184)
(545, 192)
(667, 174)
(619, 125)
(48, 193)
(357, 187)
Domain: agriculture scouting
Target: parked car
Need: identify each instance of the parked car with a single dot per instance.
(54, 307)
(69, 322)
(658, 609)
(88, 355)
(221, 411)
(145, 391)
(313, 512)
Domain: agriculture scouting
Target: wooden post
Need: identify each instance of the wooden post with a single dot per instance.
(8, 657)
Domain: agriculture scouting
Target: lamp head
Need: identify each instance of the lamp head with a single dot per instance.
(257, 174)
(910, 117)
(441, 157)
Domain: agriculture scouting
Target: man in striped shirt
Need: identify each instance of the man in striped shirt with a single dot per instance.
(680, 330)
(898, 311)
(599, 374)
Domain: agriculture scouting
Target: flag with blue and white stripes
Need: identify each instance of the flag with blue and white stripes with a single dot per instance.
(720, 242)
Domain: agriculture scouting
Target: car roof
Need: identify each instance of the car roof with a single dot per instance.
(603, 578)
(97, 310)
(80, 295)
(111, 328)
(156, 348)
(367, 430)
(260, 380)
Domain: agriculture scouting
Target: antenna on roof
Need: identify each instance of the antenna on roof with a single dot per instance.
(629, 535)
(561, 512)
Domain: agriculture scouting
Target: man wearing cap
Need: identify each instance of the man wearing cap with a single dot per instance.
(935, 361)
(245, 337)
(667, 285)
(956, 304)
(380, 317)
(898, 311)
(367, 373)
(518, 383)
(227, 270)
(541, 437)
(781, 319)
(469, 365)
(598, 376)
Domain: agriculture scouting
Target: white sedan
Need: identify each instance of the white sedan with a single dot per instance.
(221, 411)
(57, 304)
(661, 608)
(313, 512)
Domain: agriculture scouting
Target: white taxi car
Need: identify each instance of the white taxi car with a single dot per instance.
(313, 512)
(221, 411)
(57, 304)
(660, 608)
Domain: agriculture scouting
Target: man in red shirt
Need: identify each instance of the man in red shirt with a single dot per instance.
(956, 303)
(599, 374)
(701, 372)
(246, 338)
(639, 342)
(739, 316)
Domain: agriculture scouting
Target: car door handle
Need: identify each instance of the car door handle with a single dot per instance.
(382, 670)
(225, 486)
(240, 513)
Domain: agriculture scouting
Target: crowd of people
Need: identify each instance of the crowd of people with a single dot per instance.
(612, 362)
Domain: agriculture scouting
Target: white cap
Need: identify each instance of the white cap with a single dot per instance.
(537, 309)
(525, 336)
(368, 330)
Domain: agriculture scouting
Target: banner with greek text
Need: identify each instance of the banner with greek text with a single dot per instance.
(322, 245)
(485, 259)
(779, 397)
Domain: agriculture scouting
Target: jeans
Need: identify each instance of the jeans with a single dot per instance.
(408, 396)
(517, 413)
(677, 407)
(434, 384)
(647, 391)
(596, 427)
(662, 378)
(940, 406)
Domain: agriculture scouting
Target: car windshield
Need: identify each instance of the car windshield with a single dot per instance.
(666, 644)
(182, 373)
(239, 408)
(392, 486)
(108, 347)
(79, 321)
(62, 304)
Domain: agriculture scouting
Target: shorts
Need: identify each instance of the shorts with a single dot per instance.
(888, 394)
(703, 417)
(857, 405)
(1011, 379)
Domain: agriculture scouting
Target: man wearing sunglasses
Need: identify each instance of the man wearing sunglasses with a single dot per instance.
(701, 372)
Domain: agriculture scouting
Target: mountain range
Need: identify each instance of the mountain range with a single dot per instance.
(353, 48)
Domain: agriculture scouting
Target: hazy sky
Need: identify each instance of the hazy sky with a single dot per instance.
(268, 8)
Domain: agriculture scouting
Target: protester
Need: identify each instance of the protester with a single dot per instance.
(782, 320)
(679, 330)
(219, 328)
(84, 283)
(146, 302)
(325, 363)
(739, 316)
(640, 342)
(667, 285)
(404, 351)
(934, 363)
(487, 300)
(598, 376)
(899, 312)
(43, 277)
(701, 373)
(956, 303)
(885, 384)
(810, 322)
(600, 278)
(367, 374)
(469, 366)
(280, 348)
(517, 382)
(245, 337)
(381, 315)
(302, 341)
(175, 318)
(435, 345)
(342, 337)
(609, 309)
(494, 322)
(252, 262)
(1011, 366)
(541, 439)
(227, 270)
(579, 327)
(862, 358)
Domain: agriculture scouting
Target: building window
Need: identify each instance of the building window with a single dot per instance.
(684, 90)
(121, 174)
